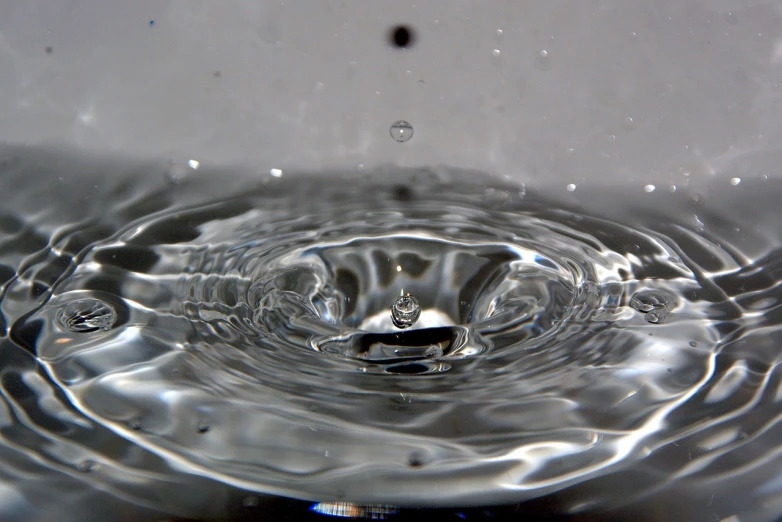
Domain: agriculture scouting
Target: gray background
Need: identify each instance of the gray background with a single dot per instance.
(316, 85)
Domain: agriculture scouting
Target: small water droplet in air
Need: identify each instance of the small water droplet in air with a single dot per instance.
(654, 303)
(649, 188)
(193, 164)
(612, 138)
(765, 177)
(401, 131)
(277, 173)
(696, 199)
(495, 52)
(735, 181)
(421, 83)
(672, 188)
(499, 34)
(571, 187)
(251, 501)
(731, 18)
(543, 60)
(360, 167)
(86, 315)
(202, 427)
(629, 123)
(405, 311)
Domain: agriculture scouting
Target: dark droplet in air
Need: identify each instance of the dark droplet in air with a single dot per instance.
(402, 36)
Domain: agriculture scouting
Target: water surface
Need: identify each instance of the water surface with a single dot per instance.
(205, 344)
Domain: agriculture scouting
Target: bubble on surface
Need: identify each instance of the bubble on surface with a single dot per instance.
(401, 131)
(86, 315)
(655, 304)
(405, 311)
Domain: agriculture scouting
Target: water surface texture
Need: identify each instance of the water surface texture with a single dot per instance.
(200, 343)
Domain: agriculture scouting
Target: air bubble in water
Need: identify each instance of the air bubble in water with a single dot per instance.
(496, 52)
(401, 131)
(649, 188)
(86, 315)
(405, 311)
(735, 181)
(653, 303)
(571, 187)
(499, 34)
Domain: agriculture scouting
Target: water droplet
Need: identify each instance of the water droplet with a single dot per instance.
(731, 18)
(735, 181)
(401, 131)
(654, 303)
(202, 427)
(193, 164)
(360, 167)
(421, 83)
(251, 501)
(543, 60)
(499, 34)
(496, 52)
(611, 138)
(86, 315)
(693, 344)
(277, 173)
(405, 311)
(765, 177)
(672, 188)
(629, 124)
(649, 188)
(571, 187)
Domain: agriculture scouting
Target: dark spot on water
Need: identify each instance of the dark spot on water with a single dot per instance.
(408, 369)
(402, 193)
(402, 36)
(49, 50)
(86, 466)
(415, 460)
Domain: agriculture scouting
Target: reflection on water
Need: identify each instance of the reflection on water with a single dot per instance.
(217, 346)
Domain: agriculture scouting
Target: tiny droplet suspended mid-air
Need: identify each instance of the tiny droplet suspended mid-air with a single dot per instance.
(405, 311)
(401, 131)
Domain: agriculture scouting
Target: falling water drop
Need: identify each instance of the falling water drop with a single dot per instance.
(401, 131)
(405, 311)
(86, 315)
(543, 60)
